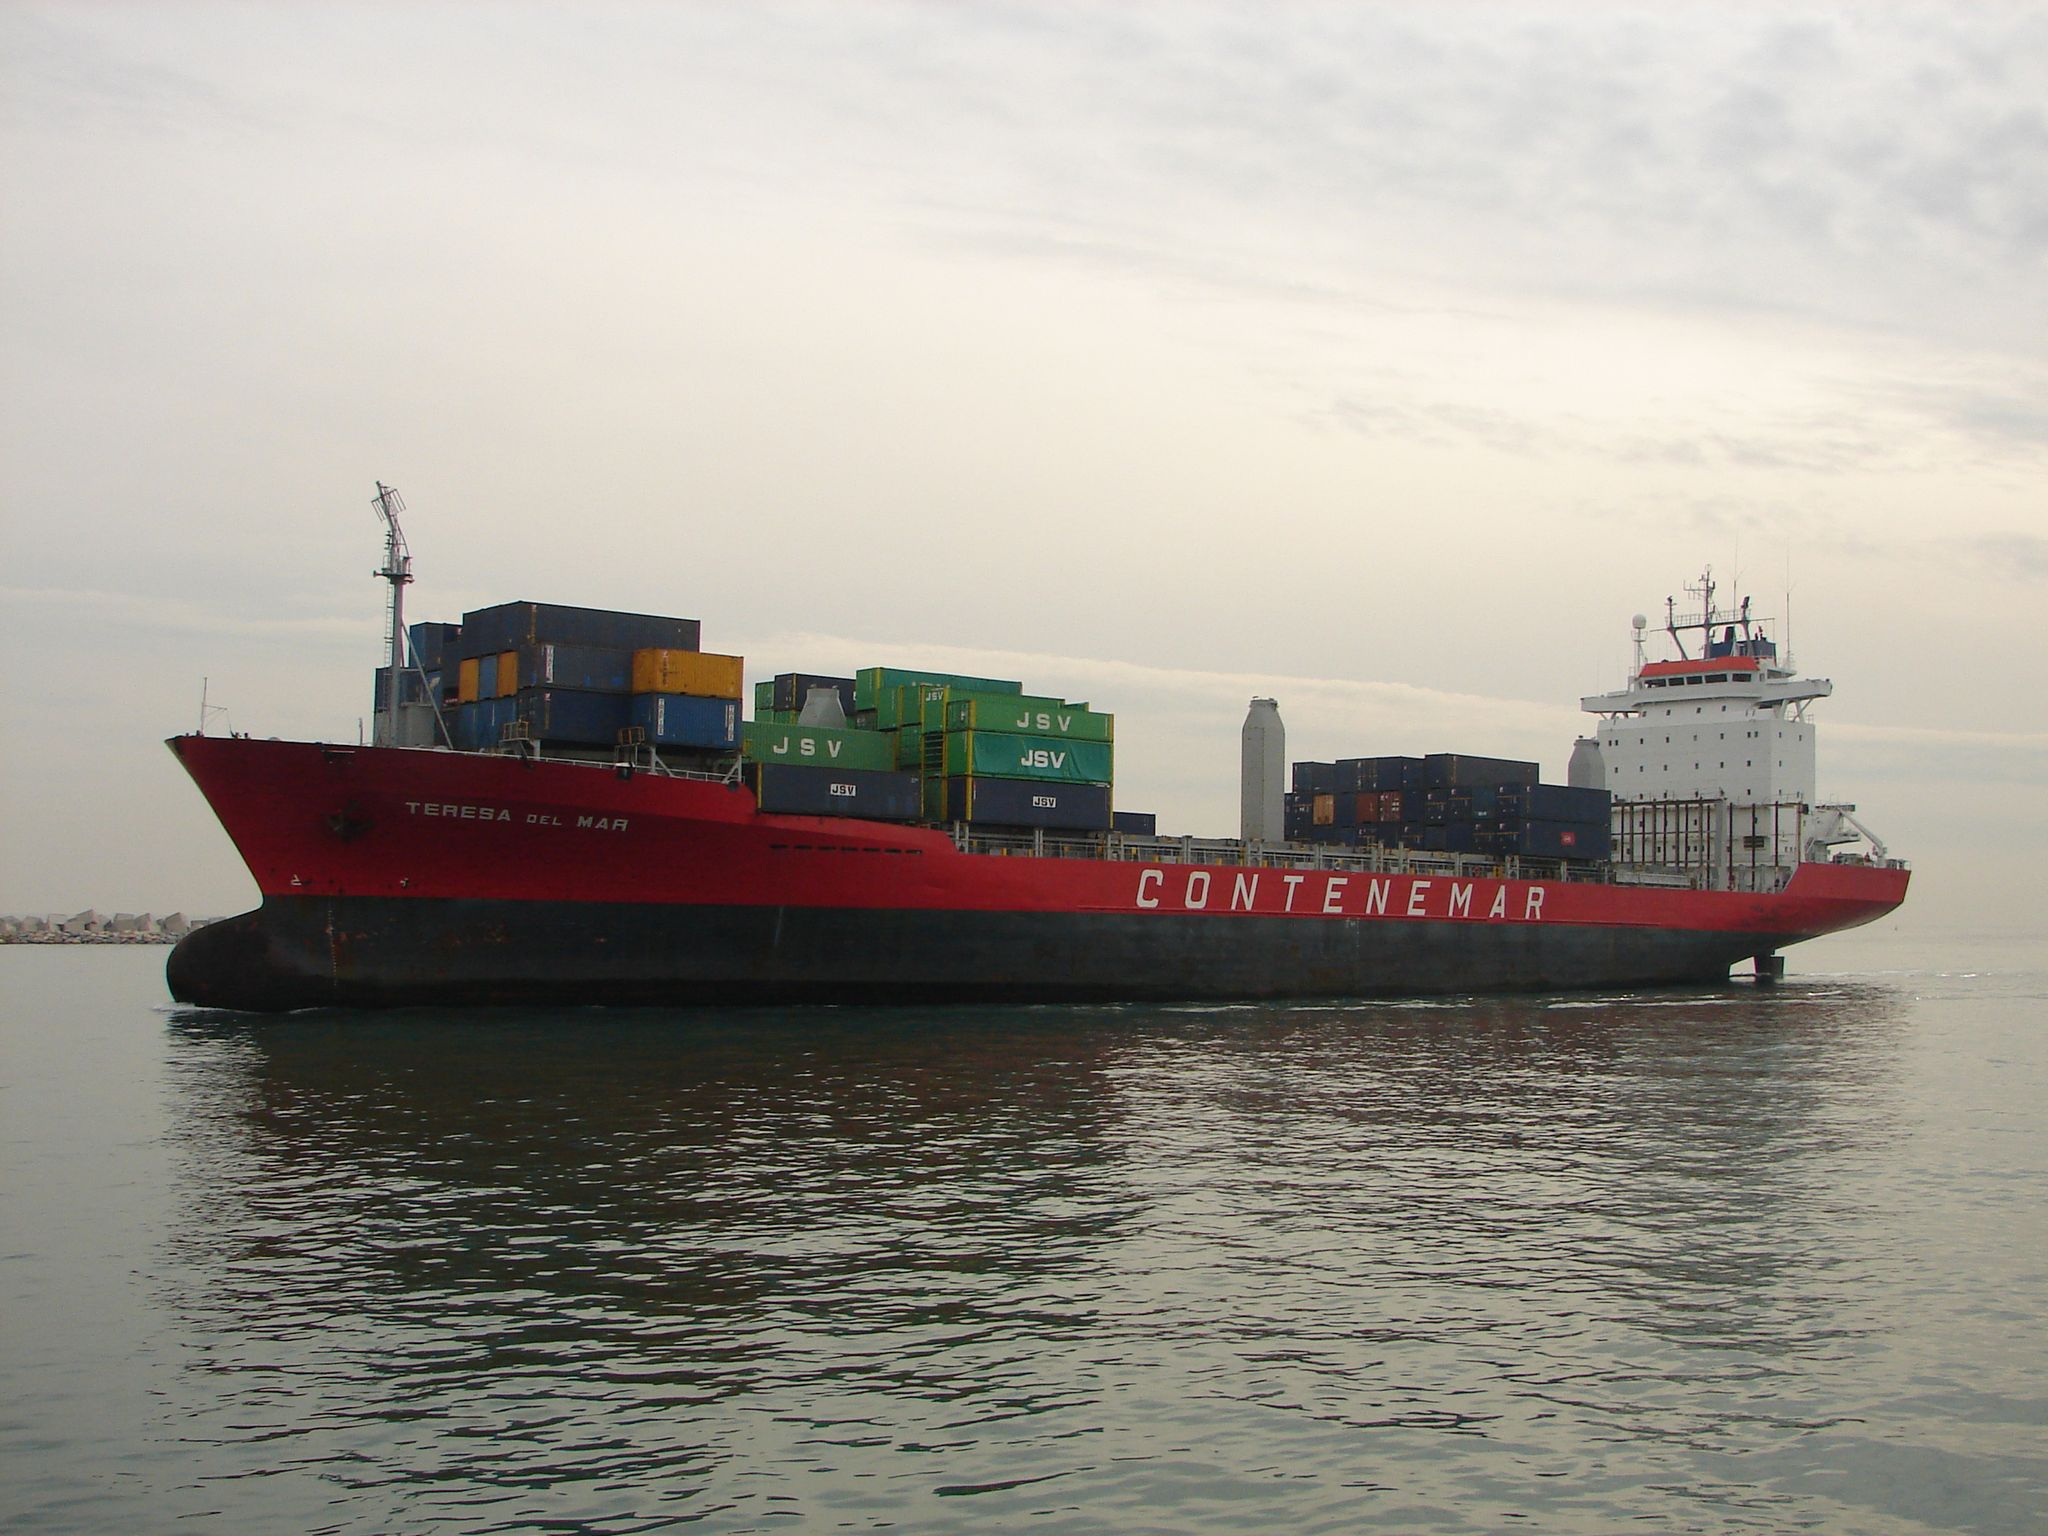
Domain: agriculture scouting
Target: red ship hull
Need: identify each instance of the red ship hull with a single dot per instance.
(395, 876)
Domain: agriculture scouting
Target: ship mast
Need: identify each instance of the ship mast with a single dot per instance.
(398, 571)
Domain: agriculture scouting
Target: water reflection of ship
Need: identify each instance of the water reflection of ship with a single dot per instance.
(992, 1171)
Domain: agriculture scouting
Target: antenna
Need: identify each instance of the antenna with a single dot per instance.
(208, 711)
(398, 571)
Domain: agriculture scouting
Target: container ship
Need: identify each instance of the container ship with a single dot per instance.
(569, 805)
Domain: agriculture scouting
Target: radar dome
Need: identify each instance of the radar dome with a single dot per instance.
(1640, 622)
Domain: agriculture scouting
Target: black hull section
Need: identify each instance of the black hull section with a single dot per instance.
(310, 952)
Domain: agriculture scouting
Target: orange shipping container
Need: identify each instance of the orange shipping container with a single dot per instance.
(508, 673)
(465, 682)
(702, 674)
(1325, 810)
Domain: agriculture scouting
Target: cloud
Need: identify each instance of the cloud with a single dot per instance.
(166, 615)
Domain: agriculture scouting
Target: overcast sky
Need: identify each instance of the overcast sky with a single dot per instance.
(1383, 358)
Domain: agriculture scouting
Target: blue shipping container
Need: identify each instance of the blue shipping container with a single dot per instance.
(680, 720)
(508, 626)
(789, 789)
(570, 715)
(1028, 803)
(593, 668)
(431, 642)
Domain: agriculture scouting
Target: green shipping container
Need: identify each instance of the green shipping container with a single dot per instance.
(819, 746)
(1000, 755)
(908, 743)
(764, 698)
(871, 685)
(1027, 714)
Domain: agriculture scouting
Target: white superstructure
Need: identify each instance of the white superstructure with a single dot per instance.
(1709, 754)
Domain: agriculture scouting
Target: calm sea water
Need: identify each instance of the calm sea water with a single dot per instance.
(1728, 1260)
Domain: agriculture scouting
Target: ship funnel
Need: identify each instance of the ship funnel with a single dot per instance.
(1264, 774)
(1588, 770)
(822, 706)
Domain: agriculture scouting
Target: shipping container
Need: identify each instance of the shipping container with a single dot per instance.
(1547, 839)
(790, 689)
(1134, 823)
(592, 668)
(1458, 770)
(1567, 802)
(1376, 773)
(701, 674)
(907, 744)
(479, 724)
(1025, 713)
(572, 716)
(512, 626)
(1002, 755)
(1027, 803)
(871, 684)
(764, 698)
(1315, 778)
(790, 789)
(1325, 810)
(682, 720)
(821, 747)
(487, 677)
(431, 642)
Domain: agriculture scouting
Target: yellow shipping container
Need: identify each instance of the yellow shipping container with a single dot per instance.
(699, 673)
(465, 682)
(508, 673)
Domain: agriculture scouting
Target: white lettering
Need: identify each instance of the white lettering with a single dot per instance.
(1532, 909)
(586, 821)
(1157, 877)
(1066, 724)
(1461, 899)
(1333, 894)
(1500, 903)
(1376, 897)
(413, 806)
(1244, 890)
(832, 748)
(1291, 881)
(1198, 889)
(1415, 894)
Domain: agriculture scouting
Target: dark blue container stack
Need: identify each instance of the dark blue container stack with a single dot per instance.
(512, 626)
(567, 675)
(1447, 802)
(1135, 823)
